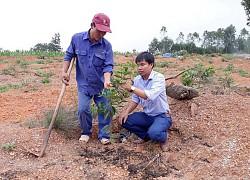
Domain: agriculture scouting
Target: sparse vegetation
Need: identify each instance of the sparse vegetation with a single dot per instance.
(9, 146)
(4, 61)
(229, 68)
(227, 57)
(66, 119)
(7, 87)
(23, 63)
(242, 73)
(9, 71)
(162, 64)
(18, 53)
(213, 103)
(45, 76)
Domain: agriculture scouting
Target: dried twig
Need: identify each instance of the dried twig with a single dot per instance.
(27, 151)
(173, 77)
(157, 155)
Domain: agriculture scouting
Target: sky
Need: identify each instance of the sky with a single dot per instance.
(134, 23)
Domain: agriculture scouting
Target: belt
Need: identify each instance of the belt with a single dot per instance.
(168, 115)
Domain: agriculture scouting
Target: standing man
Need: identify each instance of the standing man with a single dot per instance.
(149, 89)
(94, 67)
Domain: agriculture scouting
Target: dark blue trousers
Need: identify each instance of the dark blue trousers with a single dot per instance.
(85, 116)
(148, 127)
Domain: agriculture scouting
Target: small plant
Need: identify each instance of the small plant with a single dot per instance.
(45, 80)
(162, 64)
(150, 148)
(197, 74)
(58, 121)
(187, 79)
(226, 81)
(45, 76)
(66, 119)
(9, 146)
(40, 61)
(242, 73)
(116, 95)
(229, 68)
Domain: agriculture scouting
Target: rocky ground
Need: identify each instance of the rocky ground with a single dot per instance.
(210, 143)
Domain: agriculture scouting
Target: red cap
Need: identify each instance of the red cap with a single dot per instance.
(102, 22)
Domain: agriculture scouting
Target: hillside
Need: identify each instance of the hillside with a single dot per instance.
(211, 144)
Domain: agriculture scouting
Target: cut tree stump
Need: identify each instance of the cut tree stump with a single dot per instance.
(181, 92)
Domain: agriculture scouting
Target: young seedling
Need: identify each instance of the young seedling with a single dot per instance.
(9, 146)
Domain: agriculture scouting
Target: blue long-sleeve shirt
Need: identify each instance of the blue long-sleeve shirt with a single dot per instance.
(155, 89)
(93, 60)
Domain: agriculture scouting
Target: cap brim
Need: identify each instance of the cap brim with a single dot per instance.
(103, 28)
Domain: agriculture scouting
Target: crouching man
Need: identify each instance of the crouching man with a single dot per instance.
(149, 90)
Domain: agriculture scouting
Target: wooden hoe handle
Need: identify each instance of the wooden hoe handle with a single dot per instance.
(47, 135)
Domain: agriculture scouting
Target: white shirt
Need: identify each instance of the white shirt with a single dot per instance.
(155, 90)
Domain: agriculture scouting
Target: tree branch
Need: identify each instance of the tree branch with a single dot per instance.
(175, 75)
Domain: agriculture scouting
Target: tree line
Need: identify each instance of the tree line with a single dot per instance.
(220, 41)
(54, 45)
(223, 40)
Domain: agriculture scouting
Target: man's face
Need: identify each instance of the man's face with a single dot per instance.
(144, 68)
(97, 35)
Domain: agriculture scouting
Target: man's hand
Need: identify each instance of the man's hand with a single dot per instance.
(65, 78)
(123, 118)
(107, 84)
(65, 75)
(126, 86)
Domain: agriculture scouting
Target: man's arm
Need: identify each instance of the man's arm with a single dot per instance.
(136, 91)
(65, 76)
(123, 117)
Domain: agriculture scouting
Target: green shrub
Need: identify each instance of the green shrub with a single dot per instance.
(187, 79)
(227, 80)
(197, 74)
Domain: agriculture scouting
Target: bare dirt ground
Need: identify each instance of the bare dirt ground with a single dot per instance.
(212, 144)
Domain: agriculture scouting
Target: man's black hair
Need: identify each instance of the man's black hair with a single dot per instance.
(147, 56)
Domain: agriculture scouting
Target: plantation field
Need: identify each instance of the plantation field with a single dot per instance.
(208, 142)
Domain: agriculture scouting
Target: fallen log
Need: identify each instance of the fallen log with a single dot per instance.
(181, 92)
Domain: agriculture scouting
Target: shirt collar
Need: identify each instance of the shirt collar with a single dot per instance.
(150, 76)
(86, 36)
